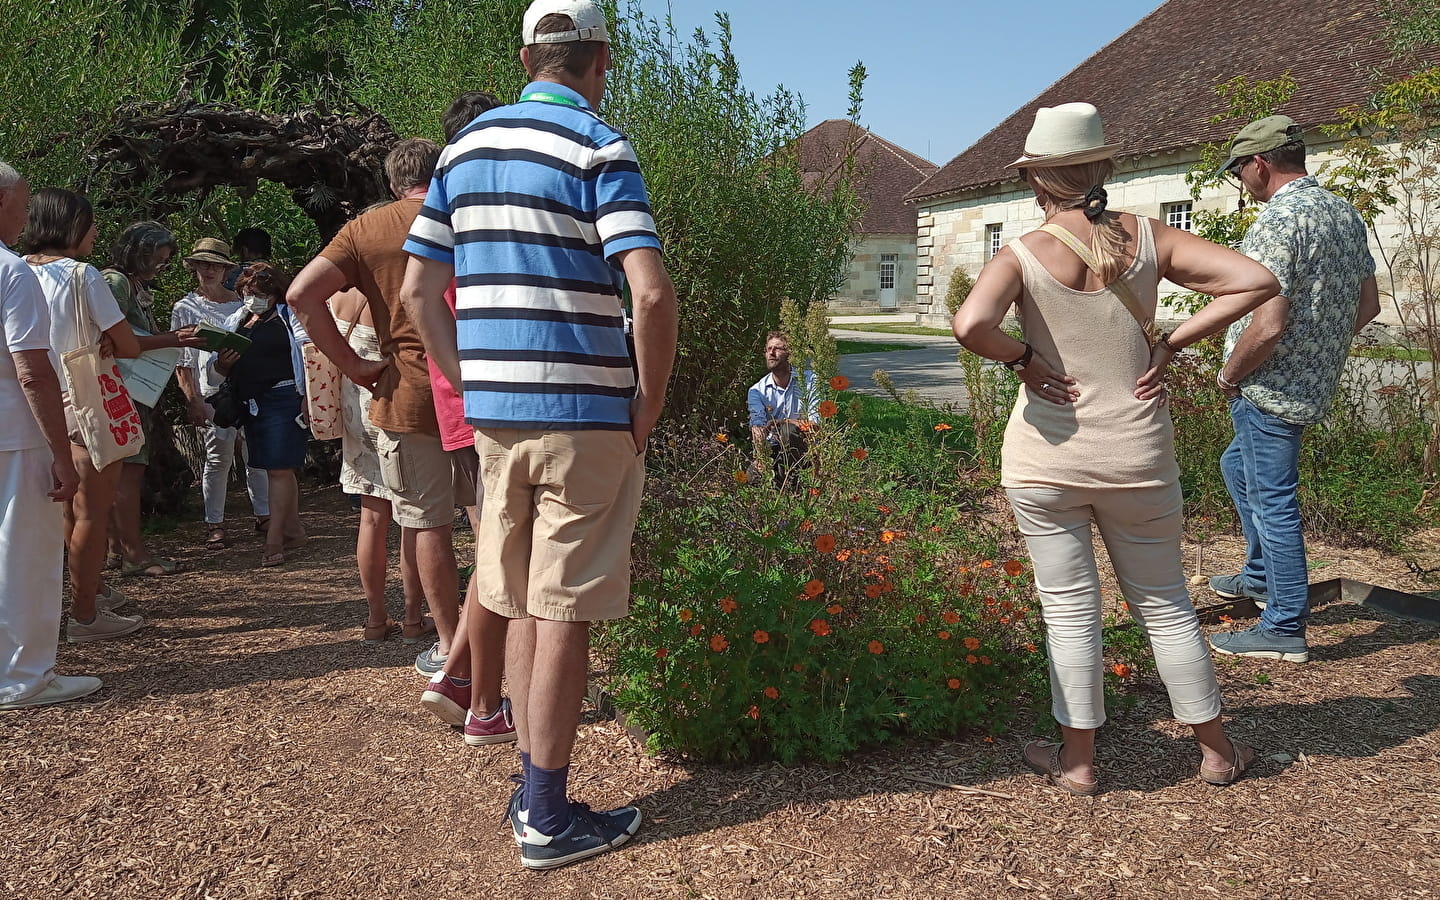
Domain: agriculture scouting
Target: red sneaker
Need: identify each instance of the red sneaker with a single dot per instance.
(446, 699)
(496, 728)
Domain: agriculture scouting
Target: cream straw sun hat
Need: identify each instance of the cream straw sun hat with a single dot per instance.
(1065, 135)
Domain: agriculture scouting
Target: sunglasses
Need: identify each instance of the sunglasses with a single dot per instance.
(1238, 166)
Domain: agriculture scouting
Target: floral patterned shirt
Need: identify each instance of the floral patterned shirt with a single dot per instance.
(1316, 245)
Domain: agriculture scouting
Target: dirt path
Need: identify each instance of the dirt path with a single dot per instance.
(247, 745)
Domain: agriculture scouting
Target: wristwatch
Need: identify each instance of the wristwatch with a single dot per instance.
(1016, 365)
(1165, 339)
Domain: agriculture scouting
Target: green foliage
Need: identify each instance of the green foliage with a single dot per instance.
(959, 289)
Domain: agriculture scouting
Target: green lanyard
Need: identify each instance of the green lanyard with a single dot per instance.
(546, 97)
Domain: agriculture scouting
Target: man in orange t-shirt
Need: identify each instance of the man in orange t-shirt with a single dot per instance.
(367, 254)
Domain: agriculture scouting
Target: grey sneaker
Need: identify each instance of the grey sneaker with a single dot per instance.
(431, 662)
(106, 625)
(1235, 587)
(112, 600)
(590, 834)
(61, 689)
(1261, 644)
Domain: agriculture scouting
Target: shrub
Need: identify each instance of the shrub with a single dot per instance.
(959, 289)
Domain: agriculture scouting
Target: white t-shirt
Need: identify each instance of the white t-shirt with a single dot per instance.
(190, 310)
(69, 331)
(24, 325)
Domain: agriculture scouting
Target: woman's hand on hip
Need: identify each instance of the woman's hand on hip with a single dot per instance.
(1151, 385)
(1046, 382)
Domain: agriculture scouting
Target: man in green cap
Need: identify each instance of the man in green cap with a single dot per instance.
(1282, 363)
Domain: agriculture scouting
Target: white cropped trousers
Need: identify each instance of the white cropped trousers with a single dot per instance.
(1141, 530)
(32, 548)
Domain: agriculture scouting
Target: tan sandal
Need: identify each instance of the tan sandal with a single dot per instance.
(272, 558)
(1048, 764)
(375, 634)
(1244, 758)
(215, 538)
(414, 632)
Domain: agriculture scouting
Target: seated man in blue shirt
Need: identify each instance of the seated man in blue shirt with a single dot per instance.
(776, 402)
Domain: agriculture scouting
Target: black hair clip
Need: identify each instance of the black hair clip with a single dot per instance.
(1096, 199)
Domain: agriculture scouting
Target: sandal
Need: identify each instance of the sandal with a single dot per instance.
(375, 634)
(1244, 759)
(272, 558)
(154, 567)
(414, 632)
(1049, 766)
(215, 538)
(262, 523)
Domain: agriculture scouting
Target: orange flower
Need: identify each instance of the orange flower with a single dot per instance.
(1226, 619)
(834, 609)
(843, 556)
(662, 653)
(984, 660)
(944, 635)
(972, 643)
(860, 453)
(921, 619)
(1013, 568)
(718, 644)
(828, 409)
(1004, 620)
(883, 510)
(695, 630)
(1121, 669)
(943, 427)
(814, 587)
(814, 492)
(954, 684)
(741, 477)
(807, 426)
(839, 383)
(949, 617)
(986, 564)
(876, 647)
(825, 543)
(686, 615)
(820, 627)
(1031, 647)
(887, 536)
(806, 525)
(754, 712)
(872, 591)
(772, 692)
(723, 438)
(728, 605)
(971, 658)
(797, 667)
(761, 637)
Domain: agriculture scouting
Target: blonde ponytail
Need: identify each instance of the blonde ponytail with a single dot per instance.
(1082, 187)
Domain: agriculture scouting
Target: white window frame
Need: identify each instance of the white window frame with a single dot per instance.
(1179, 214)
(993, 242)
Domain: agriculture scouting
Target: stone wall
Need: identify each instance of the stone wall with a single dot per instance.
(953, 230)
(861, 292)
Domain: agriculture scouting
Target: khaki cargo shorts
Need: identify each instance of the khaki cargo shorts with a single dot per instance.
(557, 521)
(419, 476)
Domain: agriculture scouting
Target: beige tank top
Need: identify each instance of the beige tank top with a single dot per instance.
(1107, 438)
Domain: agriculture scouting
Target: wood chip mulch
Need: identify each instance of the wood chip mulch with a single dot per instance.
(246, 745)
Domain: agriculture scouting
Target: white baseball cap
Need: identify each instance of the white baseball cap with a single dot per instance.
(588, 18)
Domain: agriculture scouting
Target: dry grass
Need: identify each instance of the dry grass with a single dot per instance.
(247, 745)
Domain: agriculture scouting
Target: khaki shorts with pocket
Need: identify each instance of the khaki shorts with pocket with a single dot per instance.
(419, 476)
(557, 521)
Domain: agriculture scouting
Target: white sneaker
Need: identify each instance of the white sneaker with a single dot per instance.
(59, 690)
(106, 625)
(111, 601)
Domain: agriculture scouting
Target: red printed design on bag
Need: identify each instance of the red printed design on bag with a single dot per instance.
(115, 400)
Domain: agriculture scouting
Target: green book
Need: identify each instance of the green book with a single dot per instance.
(217, 338)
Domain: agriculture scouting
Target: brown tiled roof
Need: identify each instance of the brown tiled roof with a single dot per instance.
(885, 172)
(1154, 85)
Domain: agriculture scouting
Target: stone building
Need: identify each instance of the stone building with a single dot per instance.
(882, 270)
(1155, 88)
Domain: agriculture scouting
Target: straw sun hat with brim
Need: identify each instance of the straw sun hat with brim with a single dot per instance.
(211, 250)
(1065, 135)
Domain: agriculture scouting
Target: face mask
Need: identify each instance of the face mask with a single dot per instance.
(257, 305)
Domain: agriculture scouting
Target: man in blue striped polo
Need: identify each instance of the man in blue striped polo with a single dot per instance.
(539, 212)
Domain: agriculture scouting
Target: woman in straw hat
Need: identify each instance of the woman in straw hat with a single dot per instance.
(212, 303)
(1090, 436)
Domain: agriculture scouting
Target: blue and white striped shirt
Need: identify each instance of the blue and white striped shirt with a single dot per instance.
(531, 203)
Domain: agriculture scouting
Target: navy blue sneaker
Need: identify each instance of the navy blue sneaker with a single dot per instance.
(1235, 587)
(513, 813)
(431, 662)
(590, 834)
(1260, 644)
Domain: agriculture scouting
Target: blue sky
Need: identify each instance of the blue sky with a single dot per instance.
(940, 74)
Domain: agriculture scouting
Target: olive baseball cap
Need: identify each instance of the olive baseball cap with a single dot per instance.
(1262, 136)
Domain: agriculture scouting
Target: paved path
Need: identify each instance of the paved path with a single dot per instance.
(930, 369)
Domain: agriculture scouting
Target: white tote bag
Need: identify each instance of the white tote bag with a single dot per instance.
(107, 419)
(322, 388)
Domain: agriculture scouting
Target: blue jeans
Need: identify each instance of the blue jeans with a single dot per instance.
(1262, 470)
